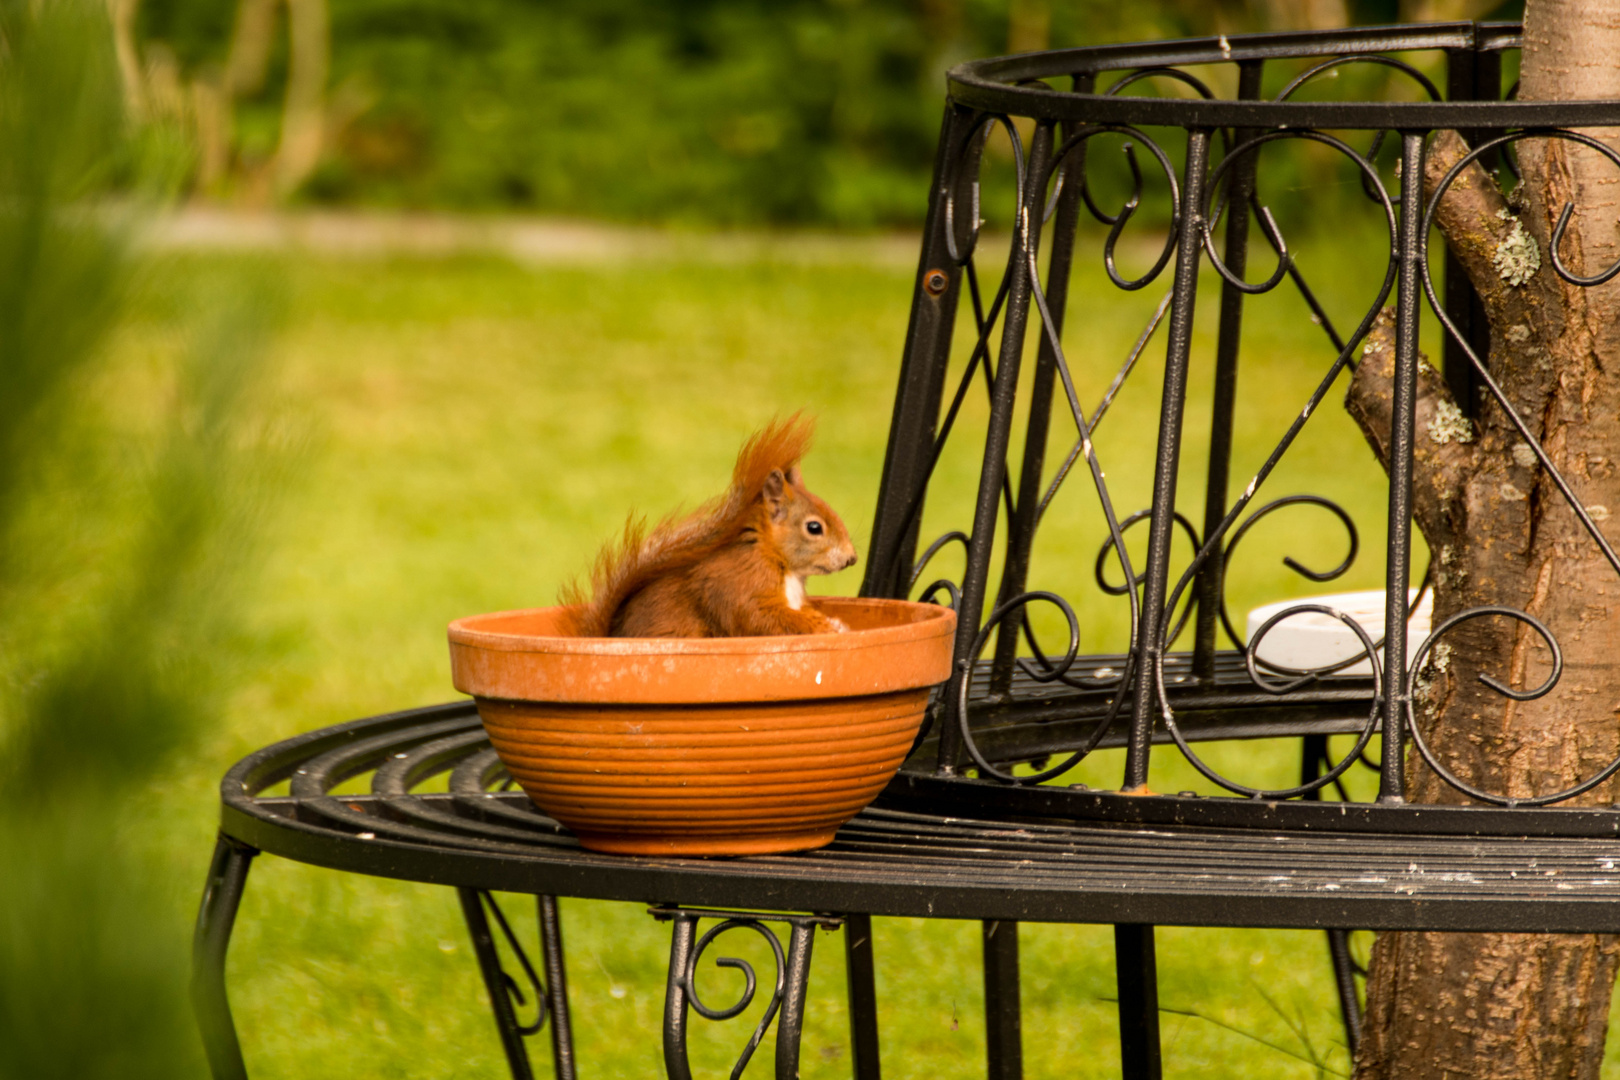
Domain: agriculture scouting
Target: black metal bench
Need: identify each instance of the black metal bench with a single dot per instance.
(1028, 855)
(970, 829)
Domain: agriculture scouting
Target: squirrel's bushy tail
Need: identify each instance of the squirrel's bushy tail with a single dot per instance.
(641, 554)
(622, 568)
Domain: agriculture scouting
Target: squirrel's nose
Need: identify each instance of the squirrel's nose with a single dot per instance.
(853, 558)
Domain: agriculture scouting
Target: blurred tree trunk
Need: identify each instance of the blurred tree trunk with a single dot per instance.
(1500, 1006)
(122, 13)
(1446, 10)
(304, 115)
(206, 102)
(1029, 25)
(1302, 14)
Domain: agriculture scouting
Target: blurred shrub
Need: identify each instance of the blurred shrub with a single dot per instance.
(713, 111)
(128, 489)
(721, 111)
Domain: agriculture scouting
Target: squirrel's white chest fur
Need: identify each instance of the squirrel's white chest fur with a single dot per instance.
(793, 587)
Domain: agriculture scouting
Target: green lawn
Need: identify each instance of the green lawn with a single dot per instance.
(471, 429)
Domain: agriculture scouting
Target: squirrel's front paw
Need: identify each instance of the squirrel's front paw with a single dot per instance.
(838, 625)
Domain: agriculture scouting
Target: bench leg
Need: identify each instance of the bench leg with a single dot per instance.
(788, 989)
(790, 1028)
(222, 895)
(863, 1020)
(1003, 1004)
(1136, 967)
(562, 1027)
(1344, 977)
(500, 986)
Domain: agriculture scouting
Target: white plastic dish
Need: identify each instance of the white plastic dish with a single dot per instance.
(1312, 639)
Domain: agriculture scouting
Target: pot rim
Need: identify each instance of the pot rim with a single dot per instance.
(931, 621)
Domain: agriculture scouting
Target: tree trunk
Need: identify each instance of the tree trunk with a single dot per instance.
(303, 117)
(1489, 1006)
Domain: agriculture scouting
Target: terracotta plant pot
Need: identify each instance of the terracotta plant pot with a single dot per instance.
(704, 746)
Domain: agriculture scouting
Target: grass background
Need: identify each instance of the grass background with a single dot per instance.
(467, 430)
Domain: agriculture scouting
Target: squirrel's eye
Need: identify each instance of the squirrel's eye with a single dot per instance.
(813, 528)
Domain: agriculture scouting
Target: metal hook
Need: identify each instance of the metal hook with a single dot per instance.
(1268, 225)
(1558, 264)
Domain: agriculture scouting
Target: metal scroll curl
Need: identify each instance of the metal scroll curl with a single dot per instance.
(688, 983)
(1555, 241)
(514, 992)
(1428, 648)
(1302, 675)
(1047, 671)
(1160, 72)
(974, 144)
(951, 589)
(1100, 574)
(689, 979)
(1319, 576)
(1326, 66)
(1268, 224)
(1116, 222)
(1338, 769)
(787, 993)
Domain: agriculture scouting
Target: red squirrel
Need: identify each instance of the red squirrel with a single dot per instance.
(733, 568)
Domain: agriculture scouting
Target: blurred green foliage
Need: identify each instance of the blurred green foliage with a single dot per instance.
(703, 110)
(695, 111)
(127, 492)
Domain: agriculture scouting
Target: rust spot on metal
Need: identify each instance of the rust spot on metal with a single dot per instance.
(935, 282)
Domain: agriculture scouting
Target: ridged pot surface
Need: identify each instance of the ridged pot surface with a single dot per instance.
(704, 746)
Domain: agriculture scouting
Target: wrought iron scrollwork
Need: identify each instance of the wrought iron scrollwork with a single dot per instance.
(1058, 180)
(1116, 222)
(1428, 649)
(1042, 669)
(944, 585)
(1338, 769)
(506, 994)
(1165, 621)
(510, 986)
(1289, 561)
(786, 1004)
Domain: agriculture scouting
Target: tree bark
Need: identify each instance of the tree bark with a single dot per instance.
(1499, 1006)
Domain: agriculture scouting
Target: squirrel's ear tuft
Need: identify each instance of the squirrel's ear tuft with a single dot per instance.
(778, 445)
(771, 491)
